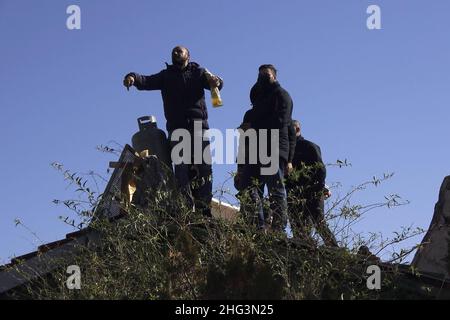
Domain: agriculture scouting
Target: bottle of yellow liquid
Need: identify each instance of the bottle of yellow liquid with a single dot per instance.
(215, 97)
(215, 93)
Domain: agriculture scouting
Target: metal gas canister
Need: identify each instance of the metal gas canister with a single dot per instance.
(151, 138)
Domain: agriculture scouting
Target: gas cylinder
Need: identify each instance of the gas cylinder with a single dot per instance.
(150, 138)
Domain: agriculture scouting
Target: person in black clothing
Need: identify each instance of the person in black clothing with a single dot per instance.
(243, 153)
(182, 87)
(292, 137)
(306, 189)
(247, 172)
(272, 111)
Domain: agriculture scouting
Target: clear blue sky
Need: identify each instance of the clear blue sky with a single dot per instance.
(378, 98)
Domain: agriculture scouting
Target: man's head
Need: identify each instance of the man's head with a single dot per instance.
(267, 74)
(180, 56)
(297, 127)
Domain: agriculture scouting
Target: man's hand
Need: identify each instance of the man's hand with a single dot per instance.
(289, 168)
(128, 81)
(326, 192)
(214, 81)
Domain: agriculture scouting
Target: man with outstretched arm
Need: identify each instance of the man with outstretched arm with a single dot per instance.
(182, 87)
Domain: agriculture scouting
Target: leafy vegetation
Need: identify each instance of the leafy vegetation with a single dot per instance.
(164, 250)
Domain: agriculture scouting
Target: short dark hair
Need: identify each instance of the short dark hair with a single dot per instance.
(268, 66)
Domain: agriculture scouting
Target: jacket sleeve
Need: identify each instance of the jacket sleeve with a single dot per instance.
(292, 141)
(253, 95)
(205, 82)
(153, 82)
(247, 116)
(284, 110)
(321, 171)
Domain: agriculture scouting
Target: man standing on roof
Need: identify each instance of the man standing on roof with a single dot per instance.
(182, 87)
(307, 190)
(271, 113)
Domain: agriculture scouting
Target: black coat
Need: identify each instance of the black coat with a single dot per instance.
(243, 157)
(292, 136)
(272, 109)
(182, 91)
(309, 154)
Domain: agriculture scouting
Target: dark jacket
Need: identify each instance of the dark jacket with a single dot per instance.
(182, 92)
(308, 153)
(241, 178)
(244, 144)
(292, 136)
(272, 109)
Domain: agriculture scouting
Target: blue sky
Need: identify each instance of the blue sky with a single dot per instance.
(378, 98)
